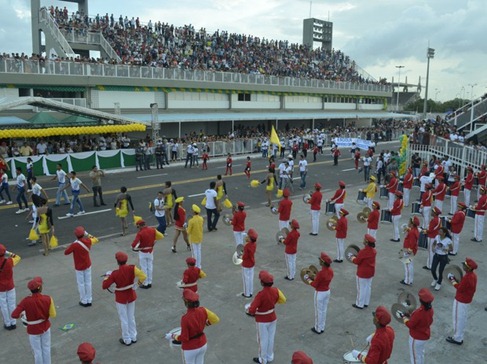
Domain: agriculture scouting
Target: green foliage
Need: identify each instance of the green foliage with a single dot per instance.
(435, 107)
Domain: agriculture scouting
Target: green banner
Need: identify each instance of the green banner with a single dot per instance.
(109, 162)
(52, 165)
(83, 164)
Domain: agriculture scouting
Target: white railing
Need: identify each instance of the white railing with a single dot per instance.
(92, 38)
(50, 23)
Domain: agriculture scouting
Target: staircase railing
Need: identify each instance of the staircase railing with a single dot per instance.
(50, 24)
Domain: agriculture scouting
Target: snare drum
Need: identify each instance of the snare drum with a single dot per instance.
(385, 216)
(348, 357)
(445, 223)
(329, 208)
(471, 213)
(400, 187)
(423, 240)
(383, 192)
(416, 182)
(415, 206)
(360, 197)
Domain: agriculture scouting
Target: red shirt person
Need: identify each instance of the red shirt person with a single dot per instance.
(229, 161)
(7, 287)
(284, 209)
(248, 263)
(144, 243)
(291, 243)
(191, 275)
(341, 234)
(373, 219)
(365, 261)
(315, 202)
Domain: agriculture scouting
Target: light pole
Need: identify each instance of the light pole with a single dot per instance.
(398, 87)
(471, 108)
(429, 54)
(436, 99)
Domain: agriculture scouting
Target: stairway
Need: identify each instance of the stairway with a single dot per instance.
(54, 38)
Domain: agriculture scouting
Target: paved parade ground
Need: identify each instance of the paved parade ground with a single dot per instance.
(233, 340)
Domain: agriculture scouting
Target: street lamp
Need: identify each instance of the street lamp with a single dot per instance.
(398, 87)
(429, 54)
(436, 99)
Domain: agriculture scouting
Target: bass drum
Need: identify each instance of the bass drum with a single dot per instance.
(445, 223)
(385, 216)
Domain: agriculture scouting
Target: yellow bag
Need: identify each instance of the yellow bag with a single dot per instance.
(254, 183)
(137, 218)
(227, 203)
(53, 243)
(279, 193)
(33, 235)
(159, 235)
(203, 201)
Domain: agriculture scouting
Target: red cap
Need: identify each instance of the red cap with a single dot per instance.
(317, 186)
(325, 257)
(369, 238)
(34, 283)
(425, 295)
(266, 277)
(343, 212)
(398, 193)
(299, 357)
(252, 234)
(240, 204)
(462, 205)
(86, 352)
(190, 261)
(416, 221)
(436, 210)
(79, 231)
(382, 315)
(376, 204)
(470, 263)
(341, 184)
(121, 257)
(294, 224)
(190, 295)
(2, 249)
(286, 192)
(140, 222)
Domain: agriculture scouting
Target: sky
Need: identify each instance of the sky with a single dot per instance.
(378, 34)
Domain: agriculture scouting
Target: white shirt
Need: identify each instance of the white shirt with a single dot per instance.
(4, 179)
(21, 180)
(424, 181)
(41, 148)
(160, 204)
(442, 246)
(303, 165)
(367, 161)
(210, 195)
(61, 176)
(75, 184)
(36, 189)
(281, 167)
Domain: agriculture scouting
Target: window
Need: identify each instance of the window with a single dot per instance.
(243, 97)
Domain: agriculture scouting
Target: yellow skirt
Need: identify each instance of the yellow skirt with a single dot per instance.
(122, 211)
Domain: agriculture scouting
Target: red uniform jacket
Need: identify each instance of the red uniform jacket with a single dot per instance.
(420, 322)
(263, 305)
(191, 275)
(192, 328)
(81, 253)
(37, 307)
(341, 228)
(482, 176)
(145, 239)
(6, 274)
(392, 186)
(481, 205)
(238, 220)
(182, 217)
(365, 261)
(469, 181)
(248, 257)
(381, 346)
(323, 279)
(291, 242)
(315, 201)
(440, 191)
(397, 207)
(455, 188)
(411, 240)
(457, 222)
(373, 220)
(123, 278)
(284, 209)
(439, 171)
(426, 199)
(408, 181)
(466, 288)
(339, 196)
(229, 162)
(434, 227)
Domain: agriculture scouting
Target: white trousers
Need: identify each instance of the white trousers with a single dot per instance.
(426, 216)
(453, 204)
(460, 311)
(407, 193)
(321, 300)
(7, 305)
(266, 331)
(146, 261)
(248, 281)
(456, 242)
(479, 226)
(126, 313)
(368, 202)
(239, 237)
(466, 195)
(338, 207)
(196, 253)
(372, 232)
(315, 221)
(409, 272)
(364, 289)
(83, 279)
(439, 204)
(392, 198)
(41, 346)
(290, 265)
(395, 224)
(283, 224)
(429, 260)
(340, 249)
(416, 350)
(195, 356)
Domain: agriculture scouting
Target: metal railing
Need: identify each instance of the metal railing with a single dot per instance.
(50, 24)
(92, 38)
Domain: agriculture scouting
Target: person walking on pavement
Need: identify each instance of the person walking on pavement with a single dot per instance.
(396, 213)
(44, 221)
(159, 153)
(196, 155)
(180, 224)
(38, 309)
(195, 234)
(315, 206)
(4, 187)
(248, 168)
(122, 205)
(144, 244)
(20, 185)
(189, 156)
(468, 185)
(365, 261)
(30, 173)
(441, 247)
(169, 197)
(212, 212)
(457, 222)
(76, 185)
(338, 198)
(229, 162)
(191, 275)
(336, 153)
(270, 182)
(291, 249)
(80, 249)
(410, 246)
(284, 209)
(96, 175)
(221, 192)
(124, 279)
(392, 188)
(341, 231)
(432, 233)
(426, 201)
(440, 192)
(8, 261)
(454, 191)
(139, 157)
(407, 185)
(373, 219)
(367, 163)
(61, 183)
(303, 171)
(238, 223)
(263, 309)
(36, 189)
(248, 263)
(370, 192)
(160, 212)
(480, 208)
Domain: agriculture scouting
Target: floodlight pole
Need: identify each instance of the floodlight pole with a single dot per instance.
(430, 54)
(398, 87)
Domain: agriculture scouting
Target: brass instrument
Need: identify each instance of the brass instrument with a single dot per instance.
(331, 223)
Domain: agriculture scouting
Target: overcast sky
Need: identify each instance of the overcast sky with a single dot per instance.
(378, 34)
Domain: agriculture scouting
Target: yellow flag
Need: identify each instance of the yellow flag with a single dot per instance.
(274, 138)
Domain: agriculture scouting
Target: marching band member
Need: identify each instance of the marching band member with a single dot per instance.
(38, 309)
(7, 287)
(407, 185)
(144, 243)
(195, 234)
(423, 181)
(373, 219)
(392, 188)
(396, 212)
(228, 169)
(80, 249)
(125, 295)
(315, 202)
(455, 191)
(439, 171)
(411, 246)
(339, 197)
(284, 209)
(169, 197)
(419, 324)
(370, 191)
(482, 179)
(193, 323)
(300, 357)
(439, 192)
(238, 223)
(291, 243)
(480, 209)
(468, 185)
(463, 297)
(426, 201)
(382, 340)
(341, 235)
(321, 284)
(441, 247)
(365, 261)
(248, 168)
(432, 232)
(263, 309)
(192, 274)
(457, 222)
(270, 182)
(180, 224)
(248, 263)
(86, 353)
(122, 204)
(221, 193)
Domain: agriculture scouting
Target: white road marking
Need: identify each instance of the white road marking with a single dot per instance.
(196, 194)
(348, 170)
(86, 213)
(153, 175)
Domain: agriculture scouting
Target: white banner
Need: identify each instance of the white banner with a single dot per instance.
(347, 142)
